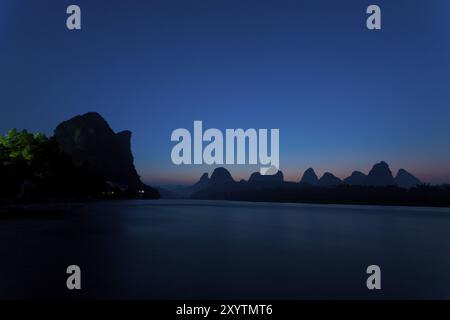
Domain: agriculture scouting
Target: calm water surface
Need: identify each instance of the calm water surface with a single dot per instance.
(217, 249)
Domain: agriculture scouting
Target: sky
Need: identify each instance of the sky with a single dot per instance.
(343, 97)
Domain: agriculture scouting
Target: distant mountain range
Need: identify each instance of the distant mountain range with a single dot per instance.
(379, 176)
(379, 186)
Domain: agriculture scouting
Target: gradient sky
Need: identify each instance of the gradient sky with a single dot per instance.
(342, 96)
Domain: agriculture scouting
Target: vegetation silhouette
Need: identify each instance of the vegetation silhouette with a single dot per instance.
(34, 168)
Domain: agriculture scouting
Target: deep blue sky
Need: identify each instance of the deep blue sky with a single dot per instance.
(342, 96)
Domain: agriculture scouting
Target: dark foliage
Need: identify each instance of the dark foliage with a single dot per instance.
(33, 167)
(422, 195)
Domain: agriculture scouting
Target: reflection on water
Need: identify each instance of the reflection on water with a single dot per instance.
(216, 249)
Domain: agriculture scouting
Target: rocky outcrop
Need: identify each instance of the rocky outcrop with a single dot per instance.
(404, 179)
(199, 185)
(90, 141)
(329, 180)
(309, 177)
(221, 175)
(204, 180)
(357, 178)
(380, 176)
(257, 177)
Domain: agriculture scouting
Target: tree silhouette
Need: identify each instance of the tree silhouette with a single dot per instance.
(35, 161)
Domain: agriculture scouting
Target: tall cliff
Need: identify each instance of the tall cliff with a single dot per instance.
(90, 141)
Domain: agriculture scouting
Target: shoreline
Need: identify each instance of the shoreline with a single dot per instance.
(61, 206)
